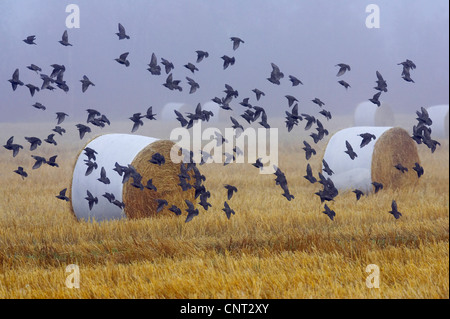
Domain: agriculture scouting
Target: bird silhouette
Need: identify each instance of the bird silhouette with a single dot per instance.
(308, 150)
(62, 195)
(326, 168)
(394, 210)
(258, 93)
(378, 186)
(34, 67)
(168, 66)
(30, 39)
(39, 161)
(90, 167)
(157, 159)
(342, 68)
(32, 89)
(174, 209)
(91, 199)
(291, 99)
(150, 185)
(59, 130)
(15, 80)
(276, 75)
(294, 80)
(401, 168)
(65, 39)
(350, 151)
(192, 212)
(161, 204)
(34, 142)
(258, 163)
(375, 99)
(154, 68)
(330, 213)
(12, 147)
(326, 113)
(123, 59)
(344, 84)
(83, 129)
(419, 169)
(381, 83)
(39, 106)
(318, 102)
(358, 193)
(228, 211)
(227, 61)
(52, 161)
(194, 85)
(137, 122)
(201, 55)
(21, 172)
(50, 139)
(85, 83)
(236, 42)
(366, 138)
(122, 34)
(230, 190)
(191, 67)
(309, 175)
(103, 178)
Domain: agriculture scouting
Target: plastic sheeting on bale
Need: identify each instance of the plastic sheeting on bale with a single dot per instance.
(375, 161)
(126, 149)
(439, 115)
(168, 114)
(369, 114)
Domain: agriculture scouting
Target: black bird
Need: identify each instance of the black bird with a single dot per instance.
(122, 34)
(85, 83)
(291, 99)
(344, 84)
(168, 66)
(366, 138)
(59, 130)
(91, 166)
(316, 138)
(34, 142)
(330, 213)
(150, 115)
(406, 75)
(381, 83)
(230, 190)
(236, 42)
(326, 168)
(15, 80)
(350, 151)
(321, 130)
(227, 61)
(377, 186)
(220, 139)
(258, 163)
(230, 91)
(136, 119)
(103, 178)
(30, 39)
(92, 114)
(308, 150)
(228, 211)
(394, 210)
(258, 93)
(191, 67)
(34, 67)
(401, 168)
(109, 196)
(294, 80)
(423, 117)
(201, 55)
(32, 88)
(326, 113)
(123, 59)
(263, 122)
(281, 180)
(358, 193)
(154, 68)
(236, 124)
(39, 161)
(60, 116)
(39, 106)
(194, 85)
(83, 129)
(50, 139)
(310, 120)
(245, 103)
(172, 84)
(181, 118)
(318, 102)
(12, 147)
(119, 204)
(375, 99)
(342, 68)
(161, 204)
(46, 81)
(91, 199)
(408, 64)
(52, 161)
(276, 75)
(157, 159)
(65, 39)
(90, 153)
(119, 168)
(190, 210)
(137, 180)
(21, 172)
(418, 169)
(57, 69)
(62, 195)
(175, 210)
(203, 200)
(428, 141)
(309, 175)
(150, 185)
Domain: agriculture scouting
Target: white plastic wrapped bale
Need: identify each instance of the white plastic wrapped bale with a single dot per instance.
(168, 114)
(369, 114)
(375, 161)
(126, 149)
(439, 115)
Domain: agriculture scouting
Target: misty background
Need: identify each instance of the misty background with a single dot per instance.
(304, 38)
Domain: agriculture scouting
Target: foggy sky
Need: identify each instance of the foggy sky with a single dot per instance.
(304, 38)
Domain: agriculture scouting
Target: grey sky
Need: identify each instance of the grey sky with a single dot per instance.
(304, 38)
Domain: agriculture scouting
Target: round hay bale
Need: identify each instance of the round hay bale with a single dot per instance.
(126, 149)
(369, 114)
(375, 161)
(439, 115)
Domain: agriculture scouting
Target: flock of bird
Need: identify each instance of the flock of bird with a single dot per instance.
(252, 113)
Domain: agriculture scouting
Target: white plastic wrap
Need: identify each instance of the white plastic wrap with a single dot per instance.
(351, 174)
(168, 114)
(111, 148)
(439, 116)
(369, 114)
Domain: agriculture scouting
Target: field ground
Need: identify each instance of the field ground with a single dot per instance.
(271, 248)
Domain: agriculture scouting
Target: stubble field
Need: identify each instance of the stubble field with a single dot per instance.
(271, 247)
